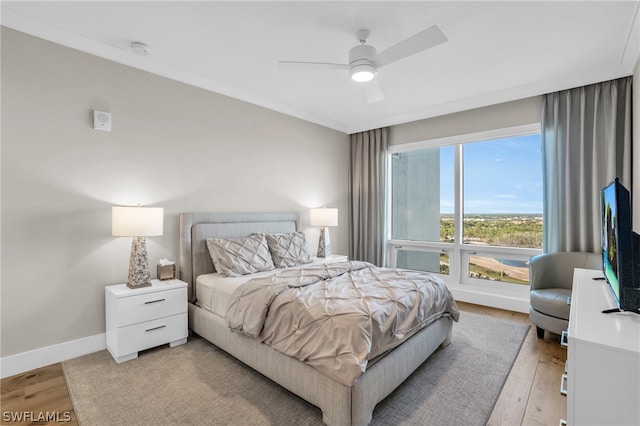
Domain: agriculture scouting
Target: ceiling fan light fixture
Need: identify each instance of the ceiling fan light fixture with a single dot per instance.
(361, 69)
(362, 72)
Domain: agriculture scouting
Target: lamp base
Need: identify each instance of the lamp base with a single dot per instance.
(324, 243)
(130, 285)
(139, 274)
(139, 286)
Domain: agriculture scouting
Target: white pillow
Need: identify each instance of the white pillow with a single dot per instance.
(288, 249)
(241, 256)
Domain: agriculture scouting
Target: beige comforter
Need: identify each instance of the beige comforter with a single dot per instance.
(339, 316)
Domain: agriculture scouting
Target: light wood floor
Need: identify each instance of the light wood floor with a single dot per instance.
(531, 395)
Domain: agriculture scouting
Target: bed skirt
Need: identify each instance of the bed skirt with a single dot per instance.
(341, 405)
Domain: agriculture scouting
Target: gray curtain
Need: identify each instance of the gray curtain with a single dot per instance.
(586, 143)
(367, 182)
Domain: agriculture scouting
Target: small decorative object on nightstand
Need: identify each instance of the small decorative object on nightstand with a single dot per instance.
(324, 218)
(166, 269)
(145, 317)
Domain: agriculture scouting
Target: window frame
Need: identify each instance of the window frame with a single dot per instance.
(459, 252)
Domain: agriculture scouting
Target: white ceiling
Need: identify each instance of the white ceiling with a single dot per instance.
(496, 51)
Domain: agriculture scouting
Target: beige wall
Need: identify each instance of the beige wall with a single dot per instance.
(509, 114)
(172, 145)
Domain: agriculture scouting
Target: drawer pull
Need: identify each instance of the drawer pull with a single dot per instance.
(563, 339)
(155, 328)
(154, 301)
(563, 385)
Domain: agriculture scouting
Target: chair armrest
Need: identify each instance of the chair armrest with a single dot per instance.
(555, 270)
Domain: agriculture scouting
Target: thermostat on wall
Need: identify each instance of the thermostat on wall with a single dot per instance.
(101, 120)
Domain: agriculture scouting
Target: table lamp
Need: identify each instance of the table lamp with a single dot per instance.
(324, 218)
(137, 222)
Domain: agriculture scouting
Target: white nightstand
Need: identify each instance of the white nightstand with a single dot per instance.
(331, 259)
(139, 319)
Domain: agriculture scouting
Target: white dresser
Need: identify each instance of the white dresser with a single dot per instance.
(603, 362)
(139, 319)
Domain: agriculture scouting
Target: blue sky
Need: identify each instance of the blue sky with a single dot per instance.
(500, 176)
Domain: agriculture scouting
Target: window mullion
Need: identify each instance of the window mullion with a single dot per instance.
(458, 178)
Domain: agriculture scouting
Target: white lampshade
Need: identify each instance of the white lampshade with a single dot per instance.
(136, 221)
(324, 217)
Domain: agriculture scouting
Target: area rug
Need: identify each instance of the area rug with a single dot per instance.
(198, 384)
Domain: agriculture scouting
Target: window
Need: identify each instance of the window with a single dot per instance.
(468, 209)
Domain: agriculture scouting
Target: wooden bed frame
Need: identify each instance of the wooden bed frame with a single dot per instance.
(340, 405)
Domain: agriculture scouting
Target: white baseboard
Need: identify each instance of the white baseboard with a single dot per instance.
(19, 363)
(515, 302)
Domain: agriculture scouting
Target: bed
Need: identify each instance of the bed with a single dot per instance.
(340, 404)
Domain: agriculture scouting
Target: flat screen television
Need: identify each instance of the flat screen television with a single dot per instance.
(620, 247)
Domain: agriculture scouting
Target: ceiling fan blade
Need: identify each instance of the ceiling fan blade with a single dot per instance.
(424, 40)
(373, 92)
(313, 64)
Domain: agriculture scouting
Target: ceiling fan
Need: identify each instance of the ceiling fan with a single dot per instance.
(364, 61)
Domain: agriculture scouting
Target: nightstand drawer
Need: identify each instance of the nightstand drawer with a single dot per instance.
(148, 306)
(148, 334)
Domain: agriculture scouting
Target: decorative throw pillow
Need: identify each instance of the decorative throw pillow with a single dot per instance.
(288, 249)
(241, 256)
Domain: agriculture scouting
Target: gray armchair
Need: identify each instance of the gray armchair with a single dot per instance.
(551, 279)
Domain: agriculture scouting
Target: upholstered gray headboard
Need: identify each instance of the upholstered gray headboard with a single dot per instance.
(195, 228)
